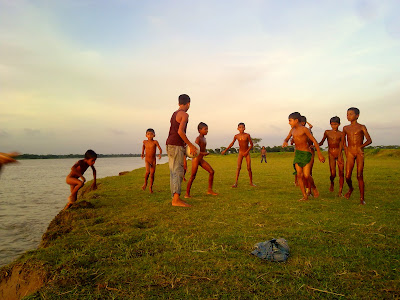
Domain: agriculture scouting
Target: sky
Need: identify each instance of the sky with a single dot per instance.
(95, 74)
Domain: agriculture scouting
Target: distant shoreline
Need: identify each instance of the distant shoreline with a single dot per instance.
(54, 156)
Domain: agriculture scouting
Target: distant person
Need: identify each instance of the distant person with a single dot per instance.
(176, 148)
(263, 154)
(354, 149)
(199, 161)
(335, 147)
(150, 147)
(303, 156)
(7, 158)
(77, 171)
(245, 145)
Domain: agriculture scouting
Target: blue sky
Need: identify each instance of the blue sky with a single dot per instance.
(82, 74)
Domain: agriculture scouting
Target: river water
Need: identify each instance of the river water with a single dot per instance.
(32, 192)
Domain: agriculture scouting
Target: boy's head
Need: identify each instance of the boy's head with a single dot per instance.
(202, 128)
(303, 120)
(353, 113)
(335, 119)
(150, 133)
(90, 157)
(184, 102)
(294, 119)
(241, 127)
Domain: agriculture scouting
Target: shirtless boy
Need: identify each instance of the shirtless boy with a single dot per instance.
(149, 147)
(77, 171)
(199, 161)
(335, 147)
(245, 145)
(263, 154)
(176, 148)
(303, 156)
(354, 149)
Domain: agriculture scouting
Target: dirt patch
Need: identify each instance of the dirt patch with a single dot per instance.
(20, 281)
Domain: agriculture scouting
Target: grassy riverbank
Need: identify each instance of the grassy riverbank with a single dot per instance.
(134, 245)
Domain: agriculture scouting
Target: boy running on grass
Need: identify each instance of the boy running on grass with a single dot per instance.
(335, 147)
(303, 156)
(354, 149)
(244, 140)
(77, 171)
(199, 161)
(149, 147)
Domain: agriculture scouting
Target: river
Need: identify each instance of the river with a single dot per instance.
(33, 191)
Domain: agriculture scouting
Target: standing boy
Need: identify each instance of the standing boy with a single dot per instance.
(303, 156)
(354, 149)
(77, 171)
(244, 140)
(149, 147)
(176, 148)
(199, 161)
(335, 147)
(263, 154)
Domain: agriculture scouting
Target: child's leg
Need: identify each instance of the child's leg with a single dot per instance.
(299, 171)
(239, 166)
(146, 175)
(296, 182)
(341, 175)
(152, 172)
(195, 166)
(332, 167)
(308, 178)
(360, 176)
(349, 169)
(248, 160)
(184, 168)
(206, 166)
(75, 184)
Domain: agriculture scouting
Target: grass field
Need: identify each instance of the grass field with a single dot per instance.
(135, 245)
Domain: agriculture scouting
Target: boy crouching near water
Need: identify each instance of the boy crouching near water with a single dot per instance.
(303, 155)
(77, 171)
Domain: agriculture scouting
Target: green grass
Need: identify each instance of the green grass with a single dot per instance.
(135, 245)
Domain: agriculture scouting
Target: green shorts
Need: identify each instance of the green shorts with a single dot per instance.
(302, 158)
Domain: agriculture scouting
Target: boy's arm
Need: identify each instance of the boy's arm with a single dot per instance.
(230, 145)
(323, 139)
(94, 184)
(182, 124)
(285, 142)
(344, 145)
(251, 145)
(312, 138)
(159, 148)
(368, 138)
(309, 125)
(143, 150)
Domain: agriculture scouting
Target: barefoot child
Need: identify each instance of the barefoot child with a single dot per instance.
(303, 156)
(335, 146)
(149, 147)
(263, 154)
(199, 161)
(176, 148)
(354, 149)
(77, 171)
(307, 184)
(244, 140)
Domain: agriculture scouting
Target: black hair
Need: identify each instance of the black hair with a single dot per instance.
(295, 115)
(355, 109)
(335, 119)
(90, 154)
(241, 123)
(303, 119)
(184, 99)
(201, 125)
(150, 130)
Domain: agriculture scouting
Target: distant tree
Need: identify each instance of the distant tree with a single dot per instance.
(217, 150)
(210, 151)
(256, 146)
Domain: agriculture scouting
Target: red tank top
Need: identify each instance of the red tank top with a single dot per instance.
(173, 137)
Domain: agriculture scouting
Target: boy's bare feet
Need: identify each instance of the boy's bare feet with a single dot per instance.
(305, 198)
(211, 192)
(151, 190)
(176, 201)
(331, 188)
(340, 195)
(235, 185)
(348, 194)
(252, 184)
(315, 192)
(187, 196)
(362, 202)
(144, 187)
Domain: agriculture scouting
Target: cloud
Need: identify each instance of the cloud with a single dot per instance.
(31, 132)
